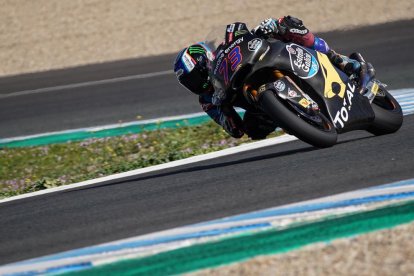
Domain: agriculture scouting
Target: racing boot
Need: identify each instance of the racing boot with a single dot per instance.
(359, 58)
(366, 72)
(348, 65)
(353, 65)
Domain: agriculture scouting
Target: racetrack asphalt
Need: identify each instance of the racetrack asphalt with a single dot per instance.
(211, 189)
(231, 185)
(387, 46)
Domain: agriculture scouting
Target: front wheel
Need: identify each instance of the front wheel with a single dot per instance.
(319, 136)
(388, 114)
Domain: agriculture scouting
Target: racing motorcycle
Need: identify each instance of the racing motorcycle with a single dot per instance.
(300, 89)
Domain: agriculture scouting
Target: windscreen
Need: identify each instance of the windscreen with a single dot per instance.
(215, 37)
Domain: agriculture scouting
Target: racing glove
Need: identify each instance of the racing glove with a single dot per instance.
(289, 29)
(219, 96)
(231, 121)
(293, 25)
(267, 27)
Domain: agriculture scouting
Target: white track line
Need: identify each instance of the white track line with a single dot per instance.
(190, 160)
(85, 84)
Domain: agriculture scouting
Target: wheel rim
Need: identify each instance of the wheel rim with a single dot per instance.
(384, 101)
(325, 125)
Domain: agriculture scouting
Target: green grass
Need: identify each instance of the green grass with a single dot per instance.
(30, 169)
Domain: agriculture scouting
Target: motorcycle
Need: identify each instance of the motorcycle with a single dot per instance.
(300, 89)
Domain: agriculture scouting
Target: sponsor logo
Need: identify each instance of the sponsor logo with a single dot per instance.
(219, 60)
(279, 85)
(342, 115)
(265, 53)
(297, 31)
(304, 102)
(179, 73)
(262, 88)
(241, 32)
(291, 50)
(303, 63)
(230, 28)
(226, 51)
(254, 44)
(188, 62)
(374, 88)
(292, 93)
(237, 42)
(196, 50)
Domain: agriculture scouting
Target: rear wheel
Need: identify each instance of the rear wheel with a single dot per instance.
(388, 114)
(320, 135)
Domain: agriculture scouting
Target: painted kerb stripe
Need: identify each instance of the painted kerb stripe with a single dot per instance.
(274, 218)
(404, 96)
(268, 242)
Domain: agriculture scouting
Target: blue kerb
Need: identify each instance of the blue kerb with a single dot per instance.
(136, 244)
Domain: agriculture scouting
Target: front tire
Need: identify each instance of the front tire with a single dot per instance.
(295, 125)
(388, 114)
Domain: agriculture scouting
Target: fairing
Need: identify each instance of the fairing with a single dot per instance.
(233, 63)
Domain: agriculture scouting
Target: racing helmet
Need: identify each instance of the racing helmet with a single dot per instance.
(191, 69)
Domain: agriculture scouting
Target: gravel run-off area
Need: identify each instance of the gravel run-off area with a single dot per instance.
(49, 34)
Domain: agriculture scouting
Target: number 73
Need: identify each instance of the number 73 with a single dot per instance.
(235, 58)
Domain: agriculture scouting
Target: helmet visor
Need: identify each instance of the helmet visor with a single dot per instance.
(196, 81)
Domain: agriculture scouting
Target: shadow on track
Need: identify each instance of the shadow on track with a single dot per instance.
(212, 166)
(360, 138)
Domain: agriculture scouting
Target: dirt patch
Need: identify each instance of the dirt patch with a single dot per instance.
(49, 34)
(386, 252)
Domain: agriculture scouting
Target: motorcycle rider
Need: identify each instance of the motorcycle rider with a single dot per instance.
(191, 69)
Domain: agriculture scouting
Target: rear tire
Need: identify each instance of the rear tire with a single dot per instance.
(295, 125)
(388, 115)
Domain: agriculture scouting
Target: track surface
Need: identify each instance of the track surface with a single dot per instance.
(387, 46)
(207, 190)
